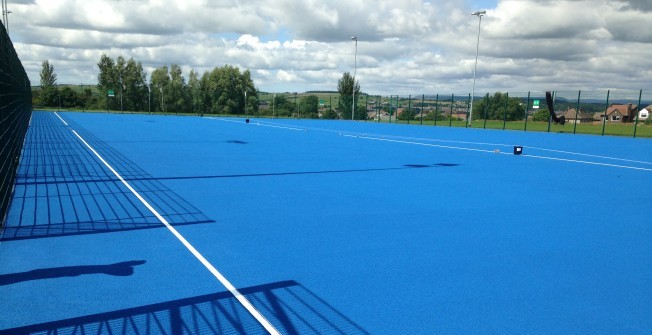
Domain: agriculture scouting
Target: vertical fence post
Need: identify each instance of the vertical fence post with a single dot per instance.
(469, 108)
(392, 109)
(296, 103)
(436, 108)
(638, 108)
(577, 110)
(450, 117)
(378, 108)
(366, 108)
(527, 110)
(505, 114)
(486, 104)
(423, 97)
(396, 110)
(552, 111)
(409, 108)
(606, 108)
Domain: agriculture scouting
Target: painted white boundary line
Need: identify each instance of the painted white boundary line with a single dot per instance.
(242, 299)
(64, 122)
(505, 153)
(259, 124)
(419, 143)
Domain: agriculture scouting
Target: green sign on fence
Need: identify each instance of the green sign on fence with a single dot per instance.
(111, 93)
(535, 104)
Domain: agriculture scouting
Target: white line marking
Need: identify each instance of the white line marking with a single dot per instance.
(64, 122)
(504, 153)
(259, 124)
(595, 156)
(591, 163)
(418, 143)
(242, 299)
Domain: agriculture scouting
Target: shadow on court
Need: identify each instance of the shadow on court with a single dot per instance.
(121, 269)
(288, 305)
(62, 189)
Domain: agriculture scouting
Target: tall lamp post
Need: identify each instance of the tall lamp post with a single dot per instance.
(479, 14)
(5, 15)
(355, 68)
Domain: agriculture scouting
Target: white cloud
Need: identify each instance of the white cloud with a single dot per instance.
(405, 47)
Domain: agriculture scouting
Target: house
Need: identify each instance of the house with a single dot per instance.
(621, 113)
(644, 113)
(571, 115)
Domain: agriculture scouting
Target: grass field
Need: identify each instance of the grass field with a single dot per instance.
(642, 130)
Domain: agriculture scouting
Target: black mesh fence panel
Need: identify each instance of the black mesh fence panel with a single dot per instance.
(15, 113)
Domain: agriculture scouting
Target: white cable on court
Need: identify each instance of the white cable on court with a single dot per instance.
(241, 298)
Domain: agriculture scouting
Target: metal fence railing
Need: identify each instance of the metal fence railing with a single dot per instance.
(613, 112)
(15, 113)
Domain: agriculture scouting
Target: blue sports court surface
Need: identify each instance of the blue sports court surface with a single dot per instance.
(142, 224)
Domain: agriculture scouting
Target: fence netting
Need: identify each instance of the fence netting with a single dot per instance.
(15, 114)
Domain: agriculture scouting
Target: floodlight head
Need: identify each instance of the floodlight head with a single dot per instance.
(479, 13)
(355, 38)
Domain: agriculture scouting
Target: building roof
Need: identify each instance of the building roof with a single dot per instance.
(570, 114)
(627, 109)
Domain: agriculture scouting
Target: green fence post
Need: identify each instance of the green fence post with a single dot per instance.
(436, 109)
(468, 104)
(450, 117)
(390, 108)
(366, 108)
(552, 111)
(296, 103)
(638, 108)
(505, 114)
(398, 105)
(409, 107)
(577, 110)
(486, 103)
(423, 97)
(527, 109)
(604, 117)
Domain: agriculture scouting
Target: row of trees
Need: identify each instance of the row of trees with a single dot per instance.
(122, 85)
(223, 90)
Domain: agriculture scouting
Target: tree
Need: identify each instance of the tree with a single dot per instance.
(195, 91)
(407, 114)
(346, 87)
(495, 108)
(159, 82)
(309, 106)
(224, 91)
(329, 114)
(106, 80)
(49, 94)
(134, 85)
(283, 106)
(48, 77)
(177, 90)
(541, 115)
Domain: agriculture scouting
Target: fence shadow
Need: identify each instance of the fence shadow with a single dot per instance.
(289, 306)
(63, 189)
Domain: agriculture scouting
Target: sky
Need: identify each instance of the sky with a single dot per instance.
(403, 46)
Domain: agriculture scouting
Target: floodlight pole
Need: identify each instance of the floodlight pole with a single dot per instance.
(5, 15)
(355, 68)
(479, 14)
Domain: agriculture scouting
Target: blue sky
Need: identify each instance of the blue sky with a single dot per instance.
(404, 47)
